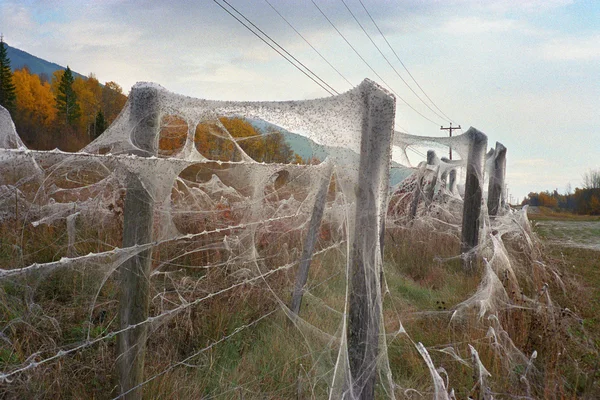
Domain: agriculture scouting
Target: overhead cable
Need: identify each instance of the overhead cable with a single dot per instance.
(324, 86)
(277, 44)
(401, 63)
(388, 61)
(307, 42)
(371, 68)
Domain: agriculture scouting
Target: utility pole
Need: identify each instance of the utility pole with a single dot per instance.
(449, 129)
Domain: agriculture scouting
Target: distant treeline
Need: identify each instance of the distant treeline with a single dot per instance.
(583, 201)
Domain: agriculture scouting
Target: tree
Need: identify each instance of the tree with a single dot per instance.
(547, 200)
(66, 100)
(591, 179)
(8, 97)
(113, 101)
(35, 109)
(276, 148)
(99, 125)
(89, 96)
(269, 147)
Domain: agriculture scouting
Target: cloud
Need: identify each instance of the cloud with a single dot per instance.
(573, 48)
(86, 33)
(532, 162)
(534, 6)
(16, 23)
(476, 25)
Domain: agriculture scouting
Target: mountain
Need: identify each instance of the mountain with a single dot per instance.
(19, 59)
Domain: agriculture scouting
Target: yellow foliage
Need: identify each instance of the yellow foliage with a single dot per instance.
(89, 95)
(214, 143)
(55, 80)
(113, 101)
(35, 100)
(216, 140)
(173, 135)
(547, 201)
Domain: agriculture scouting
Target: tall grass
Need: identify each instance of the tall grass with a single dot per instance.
(229, 352)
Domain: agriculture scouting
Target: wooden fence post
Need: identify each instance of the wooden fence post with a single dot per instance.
(417, 193)
(496, 184)
(310, 241)
(452, 181)
(137, 229)
(434, 161)
(365, 257)
(473, 196)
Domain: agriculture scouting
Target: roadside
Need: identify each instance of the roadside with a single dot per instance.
(535, 213)
(572, 243)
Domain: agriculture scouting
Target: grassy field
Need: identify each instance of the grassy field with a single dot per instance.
(545, 213)
(572, 242)
(242, 346)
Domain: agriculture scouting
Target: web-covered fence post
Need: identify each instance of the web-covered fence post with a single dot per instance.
(473, 196)
(366, 255)
(434, 162)
(416, 198)
(452, 181)
(496, 184)
(310, 241)
(137, 229)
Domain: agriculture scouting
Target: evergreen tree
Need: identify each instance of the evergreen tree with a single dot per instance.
(100, 124)
(8, 98)
(66, 100)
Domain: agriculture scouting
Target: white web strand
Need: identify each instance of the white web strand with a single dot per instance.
(222, 225)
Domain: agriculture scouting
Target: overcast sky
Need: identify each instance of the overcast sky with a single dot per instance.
(525, 72)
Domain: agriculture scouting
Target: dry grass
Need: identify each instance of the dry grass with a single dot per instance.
(546, 213)
(276, 359)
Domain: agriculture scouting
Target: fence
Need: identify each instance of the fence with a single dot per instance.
(361, 120)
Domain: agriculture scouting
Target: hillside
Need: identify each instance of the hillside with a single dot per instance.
(19, 59)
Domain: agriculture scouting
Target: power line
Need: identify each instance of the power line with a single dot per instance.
(272, 47)
(388, 61)
(368, 65)
(307, 42)
(277, 44)
(399, 60)
(417, 152)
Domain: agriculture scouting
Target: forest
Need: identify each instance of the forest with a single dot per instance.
(584, 200)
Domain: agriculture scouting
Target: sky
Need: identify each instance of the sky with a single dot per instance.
(525, 72)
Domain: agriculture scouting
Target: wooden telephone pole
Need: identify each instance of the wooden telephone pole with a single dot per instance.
(450, 129)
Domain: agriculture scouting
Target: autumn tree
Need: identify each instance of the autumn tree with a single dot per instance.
(68, 109)
(35, 109)
(587, 201)
(172, 136)
(276, 149)
(546, 199)
(39, 119)
(88, 93)
(7, 88)
(113, 101)
(212, 141)
(269, 147)
(55, 80)
(221, 140)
